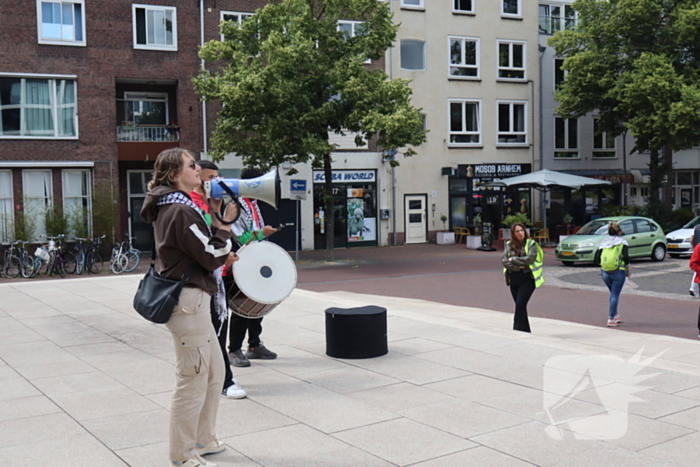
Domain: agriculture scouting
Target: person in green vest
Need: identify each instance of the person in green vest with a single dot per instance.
(613, 258)
(522, 265)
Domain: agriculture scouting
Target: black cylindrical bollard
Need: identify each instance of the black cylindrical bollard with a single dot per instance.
(356, 332)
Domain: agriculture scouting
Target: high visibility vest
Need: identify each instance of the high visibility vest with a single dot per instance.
(536, 267)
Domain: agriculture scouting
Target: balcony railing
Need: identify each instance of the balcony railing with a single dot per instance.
(147, 133)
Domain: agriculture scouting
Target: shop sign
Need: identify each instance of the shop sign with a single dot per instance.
(491, 171)
(347, 176)
(617, 179)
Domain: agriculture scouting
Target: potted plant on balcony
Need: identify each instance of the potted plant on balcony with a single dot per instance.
(444, 237)
(173, 130)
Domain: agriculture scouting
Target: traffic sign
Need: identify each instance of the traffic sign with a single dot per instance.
(297, 189)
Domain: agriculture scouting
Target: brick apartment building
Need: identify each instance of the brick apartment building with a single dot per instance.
(90, 93)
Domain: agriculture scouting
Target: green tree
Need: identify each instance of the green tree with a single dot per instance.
(636, 64)
(288, 75)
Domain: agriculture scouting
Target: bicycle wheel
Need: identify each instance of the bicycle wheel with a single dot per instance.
(133, 259)
(37, 266)
(60, 266)
(119, 264)
(80, 262)
(94, 262)
(69, 262)
(28, 267)
(12, 267)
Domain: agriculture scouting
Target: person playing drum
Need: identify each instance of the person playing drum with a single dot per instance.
(249, 227)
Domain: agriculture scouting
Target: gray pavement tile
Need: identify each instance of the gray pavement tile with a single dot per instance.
(693, 393)
(6, 372)
(294, 362)
(32, 353)
(319, 408)
(76, 384)
(416, 328)
(144, 377)
(284, 445)
(348, 457)
(347, 379)
(397, 397)
(417, 345)
(50, 369)
(25, 407)
(289, 334)
(480, 456)
(651, 404)
(682, 451)
(130, 430)
(534, 354)
(462, 418)
(88, 350)
(404, 441)
(81, 449)
(312, 322)
(531, 443)
(88, 405)
(14, 332)
(412, 369)
(48, 427)
(156, 455)
(477, 341)
(474, 387)
(669, 348)
(125, 356)
(244, 416)
(688, 418)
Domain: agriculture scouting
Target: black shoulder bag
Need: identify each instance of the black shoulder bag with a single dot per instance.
(157, 296)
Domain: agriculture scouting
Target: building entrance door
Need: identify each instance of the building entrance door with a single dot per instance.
(137, 180)
(416, 215)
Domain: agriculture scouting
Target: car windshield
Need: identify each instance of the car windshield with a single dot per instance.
(692, 224)
(594, 228)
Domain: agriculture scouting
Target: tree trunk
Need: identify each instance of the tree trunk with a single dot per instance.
(655, 177)
(668, 186)
(328, 204)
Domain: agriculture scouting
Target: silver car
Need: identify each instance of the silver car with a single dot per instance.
(679, 240)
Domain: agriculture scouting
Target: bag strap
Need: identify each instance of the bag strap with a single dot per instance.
(188, 271)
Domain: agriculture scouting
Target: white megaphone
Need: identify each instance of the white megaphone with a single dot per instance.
(265, 188)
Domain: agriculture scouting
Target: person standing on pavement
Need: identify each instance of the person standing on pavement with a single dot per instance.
(249, 226)
(522, 265)
(695, 266)
(219, 305)
(694, 241)
(613, 259)
(186, 245)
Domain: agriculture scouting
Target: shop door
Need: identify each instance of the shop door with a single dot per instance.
(416, 226)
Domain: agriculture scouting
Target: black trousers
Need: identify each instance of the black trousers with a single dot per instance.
(223, 335)
(239, 327)
(522, 285)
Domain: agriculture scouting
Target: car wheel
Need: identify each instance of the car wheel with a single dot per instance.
(658, 253)
(674, 255)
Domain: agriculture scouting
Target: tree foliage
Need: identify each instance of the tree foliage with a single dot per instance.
(635, 63)
(288, 75)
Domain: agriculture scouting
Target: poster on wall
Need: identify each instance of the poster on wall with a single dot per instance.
(360, 229)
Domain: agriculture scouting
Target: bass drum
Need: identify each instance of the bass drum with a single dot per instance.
(263, 277)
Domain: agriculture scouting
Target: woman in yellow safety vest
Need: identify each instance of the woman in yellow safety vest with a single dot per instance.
(522, 266)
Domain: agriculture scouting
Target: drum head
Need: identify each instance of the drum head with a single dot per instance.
(265, 272)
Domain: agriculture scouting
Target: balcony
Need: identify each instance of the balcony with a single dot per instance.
(147, 133)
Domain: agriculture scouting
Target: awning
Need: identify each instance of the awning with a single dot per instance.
(616, 176)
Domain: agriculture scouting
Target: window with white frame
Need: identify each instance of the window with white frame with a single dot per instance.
(412, 54)
(61, 22)
(511, 9)
(352, 29)
(77, 200)
(556, 16)
(512, 122)
(236, 16)
(511, 60)
(464, 57)
(37, 191)
(463, 6)
(155, 27)
(465, 122)
(7, 220)
(566, 138)
(37, 107)
(412, 4)
(146, 108)
(603, 142)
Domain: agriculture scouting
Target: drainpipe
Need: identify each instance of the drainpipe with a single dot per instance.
(201, 61)
(393, 169)
(543, 204)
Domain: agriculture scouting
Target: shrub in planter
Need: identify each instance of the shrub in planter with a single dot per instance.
(517, 218)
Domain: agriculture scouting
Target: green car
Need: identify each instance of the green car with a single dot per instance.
(644, 236)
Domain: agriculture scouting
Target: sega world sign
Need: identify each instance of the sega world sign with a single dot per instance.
(347, 176)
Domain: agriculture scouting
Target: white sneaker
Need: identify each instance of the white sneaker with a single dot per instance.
(234, 391)
(214, 447)
(195, 461)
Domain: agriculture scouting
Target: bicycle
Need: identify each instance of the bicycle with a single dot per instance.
(10, 264)
(124, 257)
(57, 261)
(81, 256)
(93, 260)
(29, 264)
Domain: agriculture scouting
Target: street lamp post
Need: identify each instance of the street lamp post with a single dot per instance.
(624, 168)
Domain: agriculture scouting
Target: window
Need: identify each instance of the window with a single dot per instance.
(643, 226)
(464, 57)
(565, 138)
(38, 198)
(465, 122)
(603, 142)
(511, 9)
(146, 108)
(236, 17)
(556, 17)
(412, 54)
(6, 206)
(633, 191)
(61, 23)
(644, 192)
(463, 6)
(155, 27)
(352, 29)
(37, 108)
(412, 4)
(511, 60)
(77, 206)
(512, 124)
(559, 72)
